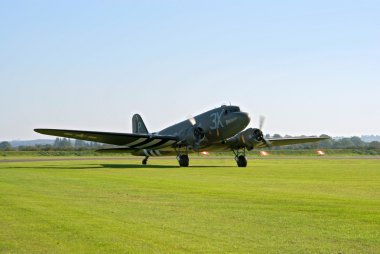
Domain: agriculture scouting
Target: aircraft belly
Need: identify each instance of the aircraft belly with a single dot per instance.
(216, 147)
(154, 153)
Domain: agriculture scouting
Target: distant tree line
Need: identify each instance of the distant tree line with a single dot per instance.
(5, 146)
(77, 145)
(60, 144)
(67, 143)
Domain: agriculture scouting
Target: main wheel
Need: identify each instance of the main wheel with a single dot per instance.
(184, 160)
(242, 161)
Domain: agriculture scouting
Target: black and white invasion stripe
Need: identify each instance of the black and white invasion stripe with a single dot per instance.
(152, 152)
(149, 143)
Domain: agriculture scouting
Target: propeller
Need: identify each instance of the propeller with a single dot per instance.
(198, 133)
(261, 136)
(252, 136)
(192, 120)
(262, 121)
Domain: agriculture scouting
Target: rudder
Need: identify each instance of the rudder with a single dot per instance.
(138, 125)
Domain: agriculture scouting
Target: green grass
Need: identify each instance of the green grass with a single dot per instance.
(273, 206)
(9, 155)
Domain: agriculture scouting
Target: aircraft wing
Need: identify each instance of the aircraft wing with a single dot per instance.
(131, 141)
(291, 141)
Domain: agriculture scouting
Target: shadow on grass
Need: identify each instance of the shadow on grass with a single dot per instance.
(101, 166)
(136, 166)
(151, 166)
(59, 167)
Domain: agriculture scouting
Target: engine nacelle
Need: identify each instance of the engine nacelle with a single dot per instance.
(194, 136)
(248, 138)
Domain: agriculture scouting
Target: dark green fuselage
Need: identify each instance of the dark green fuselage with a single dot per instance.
(217, 124)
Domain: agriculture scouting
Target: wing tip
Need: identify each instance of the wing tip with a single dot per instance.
(42, 131)
(38, 130)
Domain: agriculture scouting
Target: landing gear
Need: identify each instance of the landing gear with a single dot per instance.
(183, 160)
(241, 161)
(145, 160)
(182, 157)
(240, 158)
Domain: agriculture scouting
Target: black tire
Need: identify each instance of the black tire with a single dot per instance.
(184, 161)
(242, 161)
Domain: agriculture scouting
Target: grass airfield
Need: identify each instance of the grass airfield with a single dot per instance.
(274, 205)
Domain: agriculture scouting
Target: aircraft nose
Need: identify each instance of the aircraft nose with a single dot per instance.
(244, 118)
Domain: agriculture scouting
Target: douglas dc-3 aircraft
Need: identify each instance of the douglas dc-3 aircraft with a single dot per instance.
(220, 129)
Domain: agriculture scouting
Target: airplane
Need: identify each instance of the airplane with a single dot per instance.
(218, 130)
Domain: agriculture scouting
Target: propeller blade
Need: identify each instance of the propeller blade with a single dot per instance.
(262, 121)
(267, 143)
(192, 121)
(261, 125)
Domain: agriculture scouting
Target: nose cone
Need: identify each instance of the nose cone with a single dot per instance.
(240, 120)
(244, 119)
(235, 123)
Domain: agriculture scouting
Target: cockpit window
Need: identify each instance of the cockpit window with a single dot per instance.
(230, 109)
(234, 109)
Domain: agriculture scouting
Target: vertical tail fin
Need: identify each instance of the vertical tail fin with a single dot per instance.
(138, 125)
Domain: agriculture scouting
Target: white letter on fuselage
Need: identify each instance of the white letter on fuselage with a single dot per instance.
(216, 120)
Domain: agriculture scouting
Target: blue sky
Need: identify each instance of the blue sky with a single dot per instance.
(309, 67)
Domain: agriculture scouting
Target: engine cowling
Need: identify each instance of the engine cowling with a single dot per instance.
(194, 136)
(248, 138)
